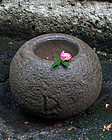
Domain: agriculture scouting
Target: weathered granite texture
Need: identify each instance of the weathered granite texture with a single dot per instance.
(61, 92)
(90, 21)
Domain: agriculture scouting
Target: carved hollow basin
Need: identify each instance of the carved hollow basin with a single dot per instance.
(61, 92)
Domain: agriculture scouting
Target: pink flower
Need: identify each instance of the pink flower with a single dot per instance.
(65, 56)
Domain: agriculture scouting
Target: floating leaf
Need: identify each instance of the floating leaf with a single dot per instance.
(55, 64)
(58, 59)
(47, 58)
(65, 63)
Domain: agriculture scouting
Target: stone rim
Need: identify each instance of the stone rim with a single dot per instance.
(52, 36)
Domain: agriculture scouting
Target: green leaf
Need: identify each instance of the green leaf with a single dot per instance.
(55, 64)
(58, 59)
(65, 63)
(104, 54)
(98, 52)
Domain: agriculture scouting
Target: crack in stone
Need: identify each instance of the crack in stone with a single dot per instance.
(55, 101)
(44, 106)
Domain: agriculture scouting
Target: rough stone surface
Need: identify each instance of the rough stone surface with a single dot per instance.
(57, 93)
(90, 21)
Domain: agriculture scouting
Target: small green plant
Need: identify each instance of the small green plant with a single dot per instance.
(99, 52)
(64, 58)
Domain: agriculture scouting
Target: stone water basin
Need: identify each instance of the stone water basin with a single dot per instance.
(17, 124)
(61, 92)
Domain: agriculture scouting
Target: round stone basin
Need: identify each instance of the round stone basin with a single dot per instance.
(61, 92)
(50, 48)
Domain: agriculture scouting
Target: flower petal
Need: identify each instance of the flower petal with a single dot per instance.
(65, 56)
